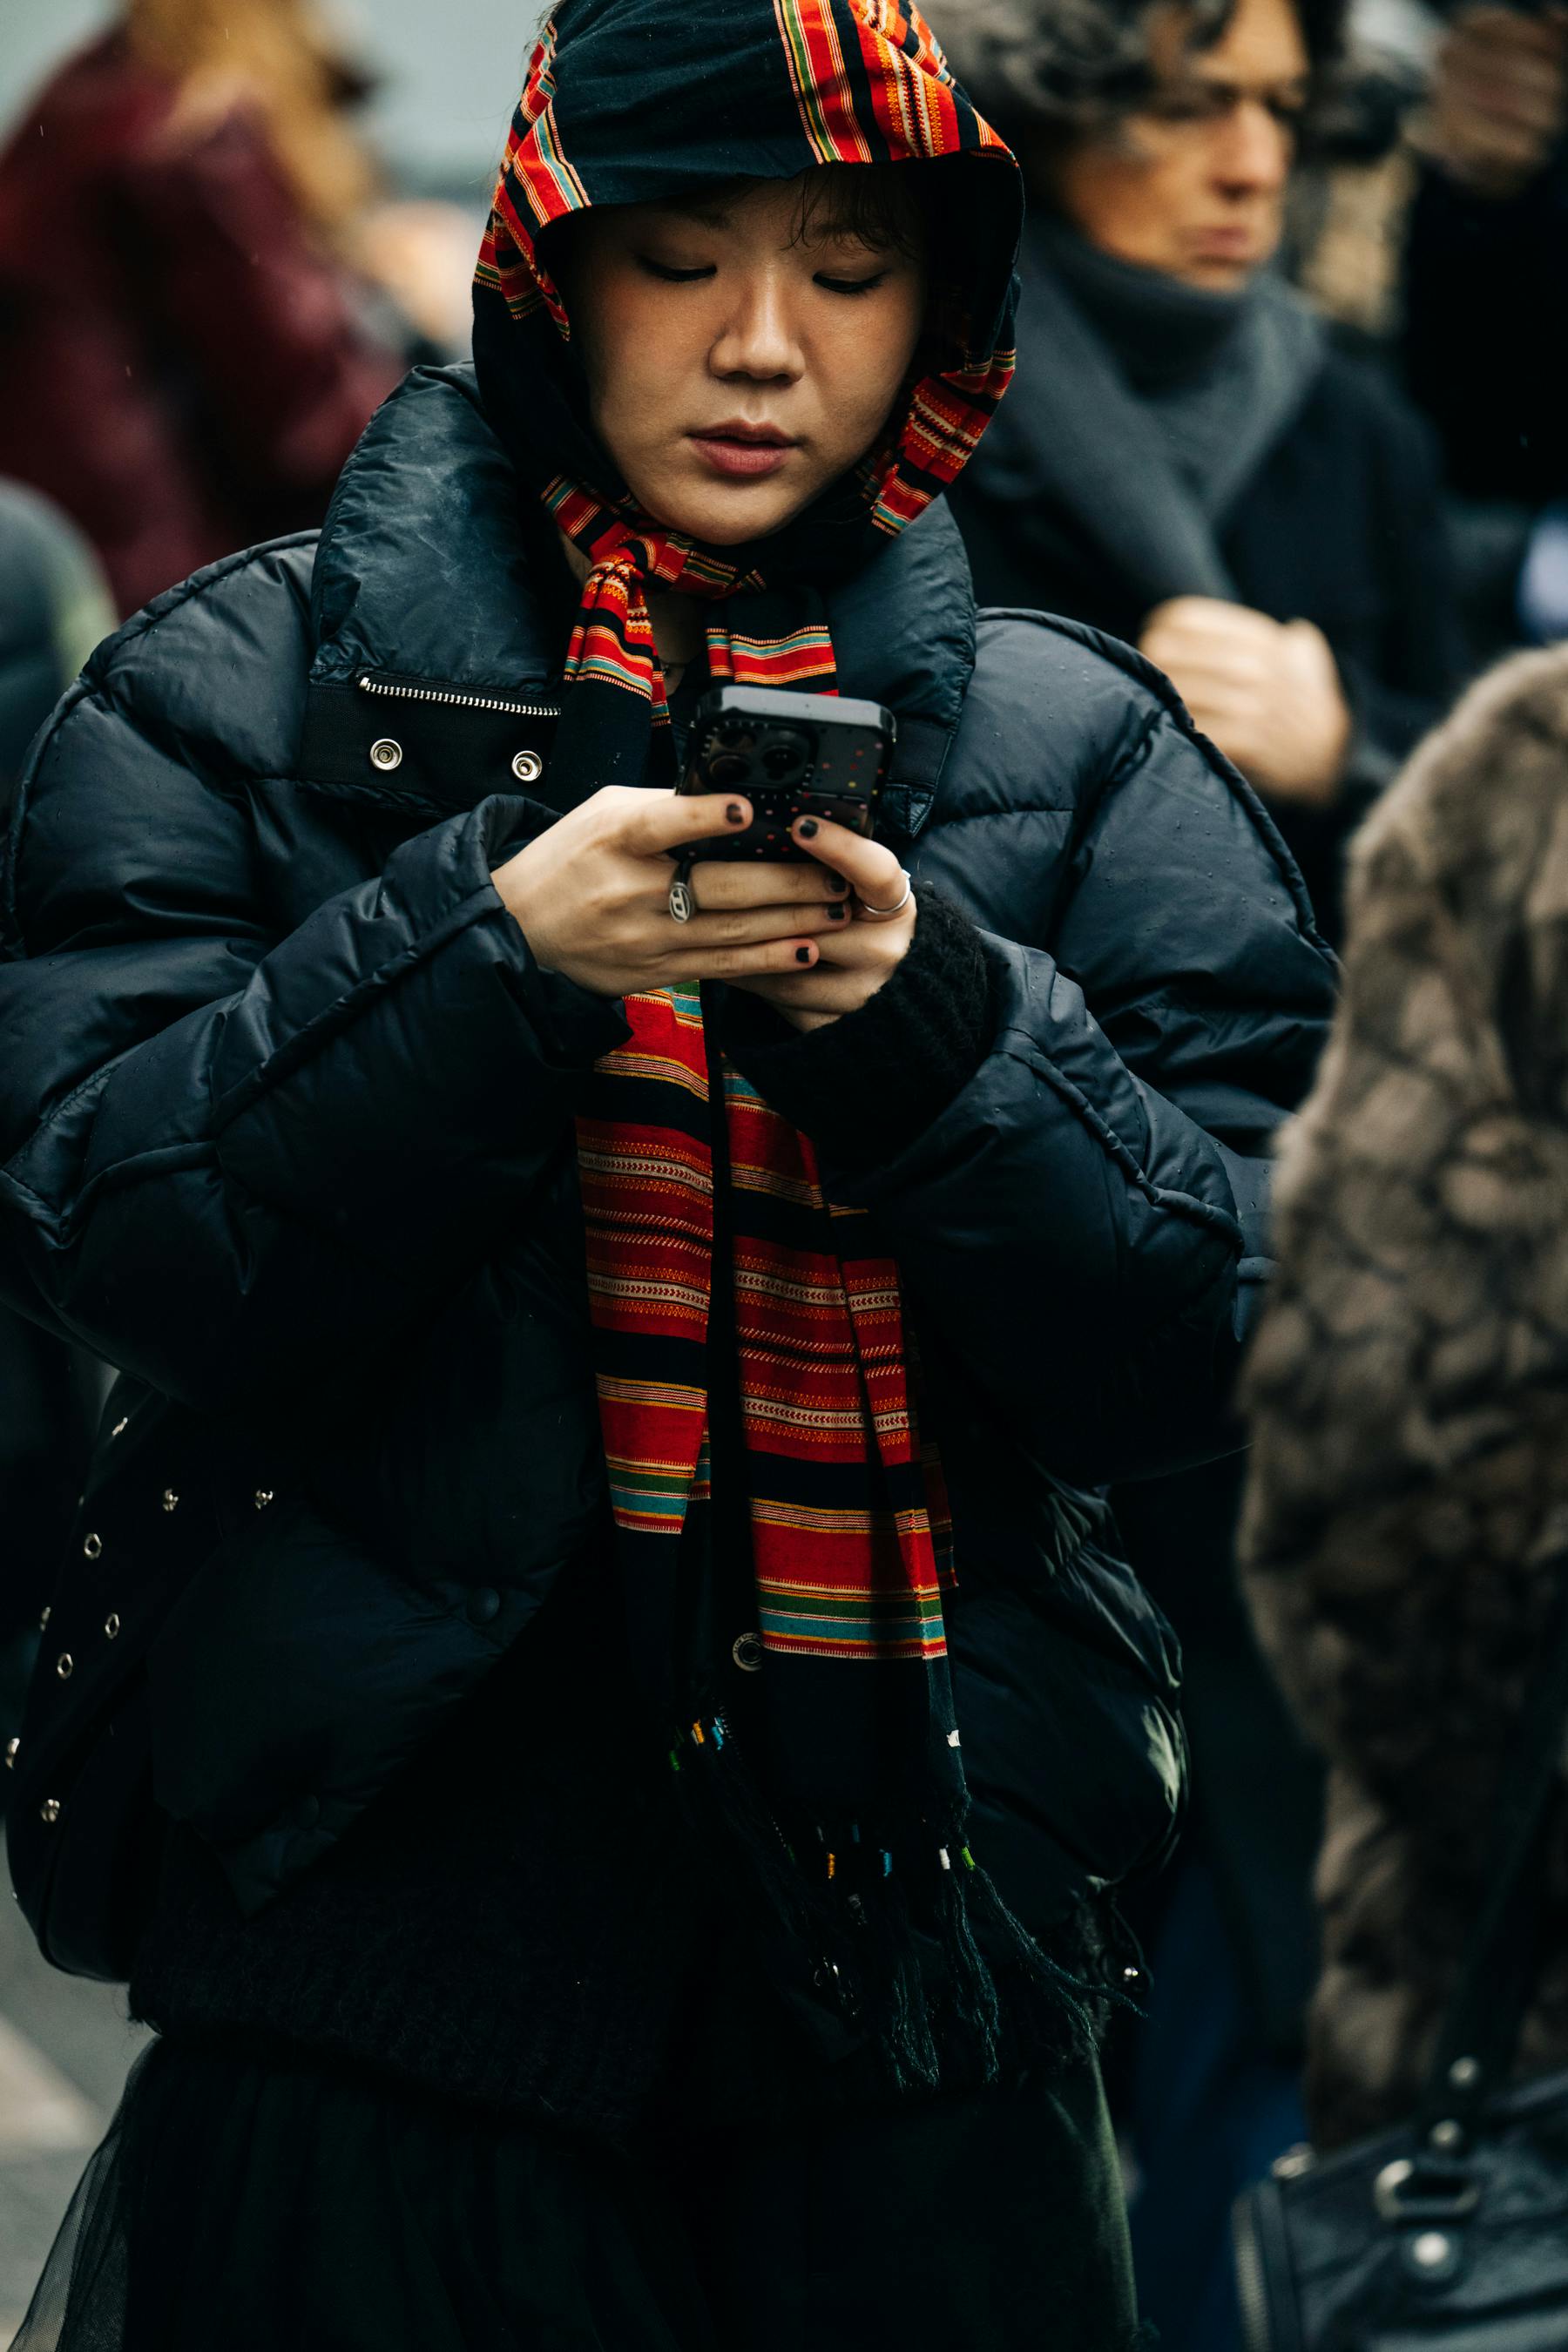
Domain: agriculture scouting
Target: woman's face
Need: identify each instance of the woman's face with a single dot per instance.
(1194, 184)
(736, 361)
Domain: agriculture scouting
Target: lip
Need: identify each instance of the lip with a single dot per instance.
(1226, 245)
(742, 451)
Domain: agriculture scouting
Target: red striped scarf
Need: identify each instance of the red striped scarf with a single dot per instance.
(626, 101)
(844, 1558)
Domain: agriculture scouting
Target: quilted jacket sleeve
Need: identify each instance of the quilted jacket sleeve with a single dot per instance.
(231, 1147)
(1085, 1226)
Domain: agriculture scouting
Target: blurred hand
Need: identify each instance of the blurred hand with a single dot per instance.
(591, 895)
(1266, 691)
(1499, 97)
(859, 957)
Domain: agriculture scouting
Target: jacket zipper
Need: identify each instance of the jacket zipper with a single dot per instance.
(393, 692)
(1251, 2293)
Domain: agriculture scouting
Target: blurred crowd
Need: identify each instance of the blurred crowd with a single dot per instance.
(1287, 418)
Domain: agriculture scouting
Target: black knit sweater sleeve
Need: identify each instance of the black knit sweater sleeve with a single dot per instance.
(867, 1085)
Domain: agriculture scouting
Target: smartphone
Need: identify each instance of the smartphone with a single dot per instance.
(791, 755)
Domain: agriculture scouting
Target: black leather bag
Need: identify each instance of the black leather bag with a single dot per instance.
(1448, 2233)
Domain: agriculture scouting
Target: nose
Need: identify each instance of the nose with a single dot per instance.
(757, 338)
(1253, 155)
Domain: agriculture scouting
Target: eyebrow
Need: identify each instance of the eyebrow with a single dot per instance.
(1297, 84)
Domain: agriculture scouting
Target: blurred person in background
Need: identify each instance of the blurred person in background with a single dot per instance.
(54, 608)
(1191, 464)
(183, 364)
(1485, 333)
(1408, 1389)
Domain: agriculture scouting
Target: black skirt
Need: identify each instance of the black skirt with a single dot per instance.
(254, 2197)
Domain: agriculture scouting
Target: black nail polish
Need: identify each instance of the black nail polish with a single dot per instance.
(803, 955)
(735, 813)
(837, 914)
(807, 827)
(837, 882)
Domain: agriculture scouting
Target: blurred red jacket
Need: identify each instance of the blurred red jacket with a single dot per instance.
(181, 368)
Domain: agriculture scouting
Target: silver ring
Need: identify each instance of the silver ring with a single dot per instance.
(682, 897)
(886, 914)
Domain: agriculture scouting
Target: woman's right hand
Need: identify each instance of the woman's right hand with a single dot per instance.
(592, 897)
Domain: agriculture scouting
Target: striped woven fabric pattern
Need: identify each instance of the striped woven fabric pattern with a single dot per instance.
(846, 1559)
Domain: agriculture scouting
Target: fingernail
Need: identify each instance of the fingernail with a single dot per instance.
(803, 955)
(735, 813)
(837, 914)
(837, 882)
(807, 827)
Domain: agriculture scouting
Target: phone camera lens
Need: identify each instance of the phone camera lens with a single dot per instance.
(781, 760)
(729, 768)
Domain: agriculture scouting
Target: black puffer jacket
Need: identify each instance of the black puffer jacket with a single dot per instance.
(286, 1129)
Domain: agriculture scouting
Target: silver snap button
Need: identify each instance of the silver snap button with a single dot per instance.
(171, 1500)
(93, 1546)
(111, 1626)
(1448, 2136)
(1430, 2250)
(263, 1496)
(747, 1652)
(527, 767)
(65, 1665)
(49, 1810)
(386, 754)
(1464, 2074)
(11, 1748)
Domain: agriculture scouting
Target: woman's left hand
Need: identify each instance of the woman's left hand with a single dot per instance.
(854, 961)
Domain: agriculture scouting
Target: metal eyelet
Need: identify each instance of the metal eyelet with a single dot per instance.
(386, 754)
(50, 1810)
(527, 767)
(93, 1548)
(171, 1500)
(112, 1625)
(747, 1652)
(65, 1665)
(262, 1497)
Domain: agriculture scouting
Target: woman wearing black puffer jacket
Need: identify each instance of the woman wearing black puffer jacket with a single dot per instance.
(578, 1921)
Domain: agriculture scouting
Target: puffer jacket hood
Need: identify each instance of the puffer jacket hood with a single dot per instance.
(257, 991)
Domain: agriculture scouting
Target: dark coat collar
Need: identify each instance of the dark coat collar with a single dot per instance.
(429, 573)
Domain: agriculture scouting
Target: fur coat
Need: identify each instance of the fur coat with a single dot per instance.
(1407, 1508)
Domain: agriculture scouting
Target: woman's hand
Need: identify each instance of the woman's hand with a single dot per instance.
(592, 897)
(854, 963)
(1268, 692)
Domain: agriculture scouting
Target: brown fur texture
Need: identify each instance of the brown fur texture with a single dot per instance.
(1408, 1508)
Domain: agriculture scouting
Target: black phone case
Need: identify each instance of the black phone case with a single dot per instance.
(790, 755)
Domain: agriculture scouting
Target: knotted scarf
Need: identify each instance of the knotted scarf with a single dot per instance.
(693, 1190)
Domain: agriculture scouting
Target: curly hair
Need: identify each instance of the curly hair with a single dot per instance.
(1042, 65)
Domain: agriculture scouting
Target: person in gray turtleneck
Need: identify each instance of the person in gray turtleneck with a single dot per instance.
(1185, 461)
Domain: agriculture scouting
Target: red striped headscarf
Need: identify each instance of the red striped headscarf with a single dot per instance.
(628, 99)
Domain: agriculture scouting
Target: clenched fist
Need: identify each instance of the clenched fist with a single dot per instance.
(1266, 691)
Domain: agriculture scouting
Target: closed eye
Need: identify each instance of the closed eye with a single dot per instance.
(668, 275)
(851, 285)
